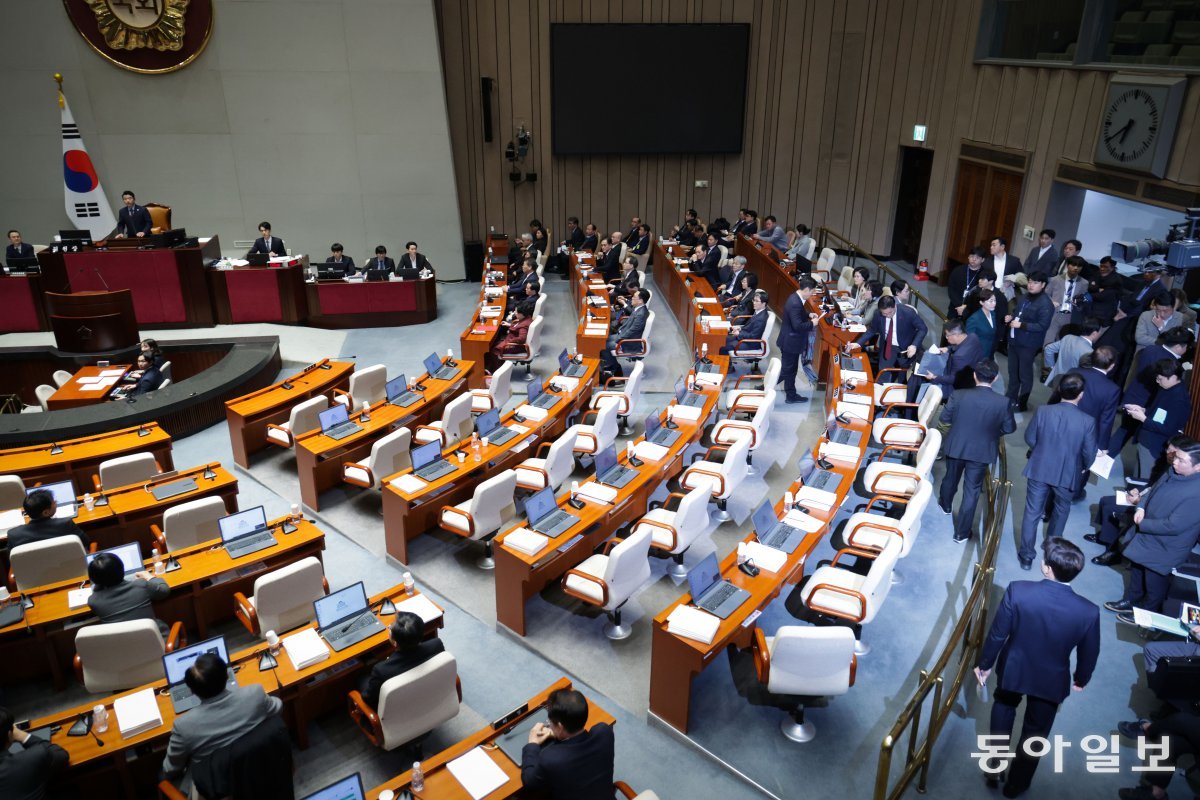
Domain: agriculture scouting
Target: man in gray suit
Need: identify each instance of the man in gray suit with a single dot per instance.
(977, 417)
(630, 328)
(115, 599)
(222, 717)
(1062, 441)
(1064, 355)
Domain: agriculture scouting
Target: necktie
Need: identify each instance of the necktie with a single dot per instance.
(887, 339)
(1066, 304)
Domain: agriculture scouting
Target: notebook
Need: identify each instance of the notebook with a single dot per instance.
(137, 713)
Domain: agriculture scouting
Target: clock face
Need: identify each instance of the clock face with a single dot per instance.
(1131, 126)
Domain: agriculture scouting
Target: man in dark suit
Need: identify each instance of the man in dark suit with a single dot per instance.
(1174, 343)
(115, 599)
(1044, 257)
(1100, 395)
(1003, 264)
(1036, 627)
(733, 287)
(40, 507)
(630, 328)
(407, 633)
(898, 332)
(630, 281)
(380, 262)
(16, 248)
(608, 261)
(965, 350)
(707, 264)
(25, 773)
(413, 259)
(591, 238)
(795, 330)
(1062, 441)
(516, 289)
(752, 329)
(340, 261)
(963, 279)
(132, 219)
(1105, 291)
(1026, 330)
(564, 761)
(632, 235)
(977, 417)
(151, 377)
(266, 243)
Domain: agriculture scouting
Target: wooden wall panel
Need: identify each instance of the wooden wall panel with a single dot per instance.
(834, 90)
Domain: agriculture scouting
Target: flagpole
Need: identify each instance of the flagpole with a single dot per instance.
(58, 78)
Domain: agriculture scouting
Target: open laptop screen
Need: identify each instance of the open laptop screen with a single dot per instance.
(341, 604)
(64, 495)
(534, 390)
(563, 361)
(606, 459)
(242, 523)
(345, 789)
(765, 519)
(426, 454)
(396, 387)
(129, 554)
(432, 363)
(539, 504)
(177, 663)
(331, 418)
(680, 389)
(703, 576)
(487, 422)
(653, 423)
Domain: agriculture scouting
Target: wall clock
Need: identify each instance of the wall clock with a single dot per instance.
(1138, 121)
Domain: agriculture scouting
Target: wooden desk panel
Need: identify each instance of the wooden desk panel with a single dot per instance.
(688, 298)
(319, 459)
(80, 458)
(21, 299)
(72, 394)
(378, 304)
(260, 294)
(249, 415)
(761, 259)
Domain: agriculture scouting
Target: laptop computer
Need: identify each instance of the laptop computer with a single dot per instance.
(174, 237)
(428, 462)
(539, 397)
(852, 363)
(545, 516)
(397, 393)
(376, 275)
(772, 532)
(436, 369)
(245, 532)
(656, 433)
(488, 424)
(176, 665)
(64, 495)
(408, 273)
(568, 368)
(330, 273)
(26, 264)
(336, 424)
(824, 480)
(609, 472)
(711, 592)
(77, 236)
(130, 556)
(258, 259)
(344, 618)
(346, 789)
(686, 398)
(845, 436)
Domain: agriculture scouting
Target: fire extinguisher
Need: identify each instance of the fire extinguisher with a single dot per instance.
(923, 270)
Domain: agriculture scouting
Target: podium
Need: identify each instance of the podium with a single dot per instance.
(92, 322)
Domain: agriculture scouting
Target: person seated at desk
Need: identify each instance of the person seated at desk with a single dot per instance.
(564, 760)
(412, 259)
(639, 244)
(25, 774)
(149, 380)
(380, 262)
(608, 261)
(742, 303)
(515, 335)
(338, 260)
(706, 262)
(864, 305)
(516, 289)
(150, 347)
(132, 219)
(407, 633)
(115, 599)
(630, 282)
(40, 506)
(266, 243)
(630, 328)
(754, 328)
(731, 289)
(773, 234)
(223, 716)
(16, 248)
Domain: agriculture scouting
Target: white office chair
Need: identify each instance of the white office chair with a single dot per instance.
(753, 351)
(825, 263)
(869, 531)
(189, 524)
(12, 492)
(366, 386)
(808, 662)
(809, 249)
(498, 391)
(591, 438)
(165, 370)
(48, 561)
(126, 470)
(722, 471)
(165, 383)
(840, 593)
(729, 430)
(493, 506)
(675, 526)
(283, 598)
(901, 480)
(637, 349)
(526, 353)
(625, 391)
(411, 704)
(304, 417)
(608, 581)
(121, 655)
(539, 303)
(389, 455)
(62, 377)
(888, 392)
(887, 429)
(553, 464)
(744, 396)
(455, 425)
(845, 282)
(43, 393)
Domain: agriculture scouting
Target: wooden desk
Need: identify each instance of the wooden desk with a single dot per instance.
(480, 335)
(406, 516)
(249, 415)
(202, 592)
(688, 298)
(319, 459)
(520, 576)
(21, 299)
(260, 294)
(108, 771)
(72, 394)
(80, 458)
(675, 661)
(441, 785)
(378, 304)
(830, 339)
(763, 260)
(590, 313)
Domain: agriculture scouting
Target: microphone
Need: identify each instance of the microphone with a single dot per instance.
(55, 450)
(103, 282)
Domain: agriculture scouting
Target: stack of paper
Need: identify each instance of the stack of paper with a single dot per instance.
(798, 519)
(710, 378)
(532, 412)
(564, 383)
(1122, 497)
(422, 606)
(690, 413)
(718, 324)
(764, 557)
(78, 598)
(692, 623)
(596, 330)
(528, 542)
(493, 291)
(598, 492)
(854, 397)
(707, 301)
(487, 312)
(853, 410)
(856, 328)
(817, 499)
(137, 713)
(305, 648)
(477, 773)
(648, 451)
(854, 375)
(839, 452)
(409, 484)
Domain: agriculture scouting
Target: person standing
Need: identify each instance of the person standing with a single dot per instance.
(898, 331)
(1035, 630)
(1064, 355)
(973, 445)
(1005, 265)
(1026, 330)
(963, 349)
(1066, 297)
(1062, 441)
(1162, 418)
(132, 220)
(795, 330)
(1044, 257)
(963, 279)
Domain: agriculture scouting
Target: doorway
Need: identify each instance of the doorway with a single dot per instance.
(985, 204)
(916, 165)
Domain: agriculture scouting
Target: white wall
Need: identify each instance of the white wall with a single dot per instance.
(1106, 219)
(333, 127)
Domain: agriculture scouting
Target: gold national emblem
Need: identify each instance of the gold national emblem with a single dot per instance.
(137, 24)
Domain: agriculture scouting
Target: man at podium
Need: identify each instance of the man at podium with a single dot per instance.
(266, 243)
(132, 220)
(16, 248)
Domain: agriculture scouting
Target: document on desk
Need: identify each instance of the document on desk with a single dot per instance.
(89, 380)
(137, 713)
(409, 484)
(839, 452)
(816, 498)
(598, 492)
(112, 373)
(306, 648)
(689, 413)
(595, 330)
(563, 383)
(533, 412)
(692, 623)
(649, 451)
(422, 606)
(528, 542)
(719, 324)
(78, 598)
(710, 378)
(93, 387)
(854, 375)
(853, 410)
(860, 399)
(764, 557)
(798, 519)
(477, 773)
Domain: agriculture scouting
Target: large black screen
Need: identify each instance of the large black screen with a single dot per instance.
(621, 89)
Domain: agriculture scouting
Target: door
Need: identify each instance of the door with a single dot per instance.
(985, 204)
(916, 165)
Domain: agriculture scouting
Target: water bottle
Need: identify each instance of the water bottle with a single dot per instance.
(159, 568)
(100, 718)
(574, 489)
(274, 645)
(410, 586)
(296, 516)
(789, 500)
(704, 350)
(476, 447)
(89, 502)
(704, 325)
(418, 777)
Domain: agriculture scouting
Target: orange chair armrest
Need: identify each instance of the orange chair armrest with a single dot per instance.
(873, 525)
(454, 510)
(739, 408)
(741, 316)
(750, 376)
(579, 596)
(762, 346)
(899, 448)
(77, 665)
(888, 408)
(720, 478)
(94, 547)
(886, 498)
(621, 352)
(177, 638)
(12, 581)
(853, 668)
(595, 443)
(762, 656)
(622, 400)
(245, 612)
(883, 434)
(96, 483)
(885, 473)
(167, 790)
(741, 426)
(365, 718)
(624, 788)
(543, 447)
(716, 448)
(862, 602)
(458, 686)
(441, 433)
(286, 432)
(898, 370)
(545, 475)
(857, 552)
(519, 352)
(616, 379)
(661, 526)
(369, 482)
(159, 539)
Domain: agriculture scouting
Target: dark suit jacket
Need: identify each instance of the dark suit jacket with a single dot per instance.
(1047, 263)
(1139, 300)
(150, 380)
(1035, 312)
(910, 329)
(260, 246)
(1105, 296)
(1173, 407)
(795, 326)
(579, 768)
(589, 242)
(632, 326)
(1035, 629)
(1168, 531)
(755, 327)
(1100, 399)
(710, 267)
(407, 263)
(389, 266)
(129, 600)
(574, 239)
(23, 250)
(610, 265)
(962, 280)
(733, 286)
(517, 287)
(42, 529)
(983, 416)
(24, 773)
(133, 220)
(346, 265)
(1063, 440)
(640, 246)
(1144, 387)
(958, 373)
(396, 664)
